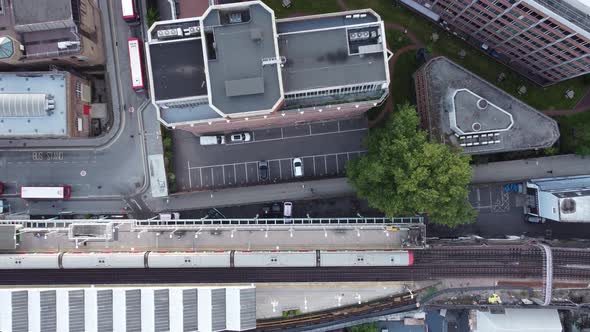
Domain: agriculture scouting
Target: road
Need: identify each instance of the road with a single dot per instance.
(105, 178)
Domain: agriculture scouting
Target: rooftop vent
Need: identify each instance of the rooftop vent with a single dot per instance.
(568, 205)
(482, 104)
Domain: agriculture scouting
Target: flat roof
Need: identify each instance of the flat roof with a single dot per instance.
(178, 69)
(244, 36)
(307, 23)
(318, 59)
(467, 111)
(51, 123)
(35, 11)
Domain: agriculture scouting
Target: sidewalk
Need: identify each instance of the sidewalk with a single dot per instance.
(516, 170)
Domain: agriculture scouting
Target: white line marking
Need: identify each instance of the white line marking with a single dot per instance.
(246, 171)
(201, 174)
(280, 170)
(337, 166)
(235, 176)
(338, 126)
(299, 136)
(212, 178)
(313, 158)
(326, 164)
(223, 173)
(310, 132)
(190, 181)
(282, 134)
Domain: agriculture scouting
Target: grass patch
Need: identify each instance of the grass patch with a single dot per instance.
(303, 6)
(402, 85)
(396, 39)
(575, 135)
(448, 45)
(168, 158)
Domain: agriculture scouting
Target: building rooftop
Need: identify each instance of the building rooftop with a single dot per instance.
(243, 37)
(244, 61)
(323, 58)
(129, 308)
(33, 104)
(35, 11)
(574, 11)
(518, 320)
(466, 111)
(183, 77)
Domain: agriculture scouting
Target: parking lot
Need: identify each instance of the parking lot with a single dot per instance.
(324, 149)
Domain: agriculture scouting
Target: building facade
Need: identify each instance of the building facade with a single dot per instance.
(60, 32)
(237, 68)
(547, 41)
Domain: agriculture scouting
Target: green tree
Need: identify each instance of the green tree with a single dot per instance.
(152, 15)
(405, 174)
(368, 327)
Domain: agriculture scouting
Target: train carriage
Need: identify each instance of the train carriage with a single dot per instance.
(30, 261)
(106, 260)
(275, 259)
(365, 258)
(163, 259)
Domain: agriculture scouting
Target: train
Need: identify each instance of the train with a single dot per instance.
(204, 259)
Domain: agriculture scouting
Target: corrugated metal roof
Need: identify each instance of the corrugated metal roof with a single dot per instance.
(190, 310)
(161, 310)
(48, 311)
(133, 310)
(248, 308)
(218, 309)
(76, 304)
(104, 303)
(16, 105)
(20, 311)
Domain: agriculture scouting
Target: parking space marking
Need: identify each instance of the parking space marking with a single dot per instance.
(254, 176)
(190, 181)
(301, 136)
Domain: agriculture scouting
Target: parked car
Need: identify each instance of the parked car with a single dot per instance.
(297, 167)
(241, 137)
(170, 216)
(212, 140)
(263, 169)
(287, 209)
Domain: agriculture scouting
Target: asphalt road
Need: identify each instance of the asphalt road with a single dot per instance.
(324, 147)
(115, 172)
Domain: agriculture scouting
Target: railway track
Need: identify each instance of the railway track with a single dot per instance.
(444, 262)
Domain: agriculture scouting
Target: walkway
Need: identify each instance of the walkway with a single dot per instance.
(583, 105)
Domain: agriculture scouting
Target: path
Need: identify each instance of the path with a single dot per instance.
(583, 105)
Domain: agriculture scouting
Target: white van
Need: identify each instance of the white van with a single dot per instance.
(287, 209)
(212, 140)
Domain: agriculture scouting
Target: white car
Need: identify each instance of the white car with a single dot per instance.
(297, 167)
(241, 137)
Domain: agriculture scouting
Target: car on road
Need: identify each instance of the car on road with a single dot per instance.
(297, 167)
(241, 137)
(212, 140)
(263, 169)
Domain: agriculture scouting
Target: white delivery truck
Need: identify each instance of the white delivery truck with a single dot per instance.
(212, 140)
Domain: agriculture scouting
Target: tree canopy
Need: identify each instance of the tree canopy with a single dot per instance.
(368, 327)
(404, 174)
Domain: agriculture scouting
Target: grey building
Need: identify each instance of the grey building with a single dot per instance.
(460, 108)
(237, 67)
(565, 199)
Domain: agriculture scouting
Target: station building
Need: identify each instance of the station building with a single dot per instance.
(127, 309)
(461, 109)
(565, 199)
(236, 67)
(52, 104)
(60, 32)
(547, 41)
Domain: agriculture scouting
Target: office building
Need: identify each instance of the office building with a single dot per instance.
(237, 67)
(547, 41)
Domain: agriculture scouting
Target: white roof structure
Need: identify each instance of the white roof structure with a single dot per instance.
(565, 199)
(124, 309)
(519, 320)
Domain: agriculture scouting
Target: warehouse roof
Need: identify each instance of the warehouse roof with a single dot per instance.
(519, 320)
(128, 309)
(33, 104)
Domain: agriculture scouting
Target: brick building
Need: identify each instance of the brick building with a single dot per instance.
(61, 32)
(547, 41)
(237, 68)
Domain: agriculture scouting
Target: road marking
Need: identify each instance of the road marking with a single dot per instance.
(135, 202)
(201, 174)
(246, 172)
(212, 178)
(280, 170)
(326, 164)
(337, 166)
(235, 176)
(223, 173)
(282, 134)
(338, 125)
(309, 126)
(313, 165)
(299, 136)
(190, 181)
